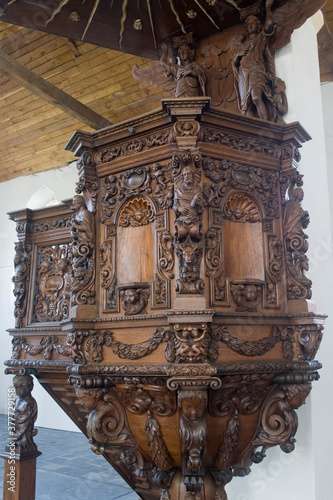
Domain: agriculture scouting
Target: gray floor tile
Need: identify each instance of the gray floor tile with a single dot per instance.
(69, 470)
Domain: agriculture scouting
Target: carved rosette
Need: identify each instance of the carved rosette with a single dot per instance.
(20, 279)
(188, 206)
(53, 284)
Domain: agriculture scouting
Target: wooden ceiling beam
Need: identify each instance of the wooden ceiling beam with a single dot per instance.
(47, 91)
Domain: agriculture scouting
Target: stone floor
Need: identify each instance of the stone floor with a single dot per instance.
(69, 470)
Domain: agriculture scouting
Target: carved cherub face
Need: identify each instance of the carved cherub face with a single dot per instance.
(250, 293)
(252, 25)
(193, 407)
(131, 296)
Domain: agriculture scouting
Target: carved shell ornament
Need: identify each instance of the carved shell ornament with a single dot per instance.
(137, 212)
(240, 208)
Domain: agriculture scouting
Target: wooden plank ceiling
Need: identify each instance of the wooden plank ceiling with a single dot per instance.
(34, 129)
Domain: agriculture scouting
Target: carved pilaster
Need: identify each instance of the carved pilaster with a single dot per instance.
(188, 206)
(82, 253)
(20, 279)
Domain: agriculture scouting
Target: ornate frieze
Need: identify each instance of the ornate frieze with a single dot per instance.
(47, 346)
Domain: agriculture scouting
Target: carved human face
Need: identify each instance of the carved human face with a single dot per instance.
(187, 177)
(185, 54)
(252, 25)
(193, 408)
(23, 387)
(78, 202)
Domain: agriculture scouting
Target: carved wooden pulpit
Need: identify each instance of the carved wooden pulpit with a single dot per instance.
(170, 292)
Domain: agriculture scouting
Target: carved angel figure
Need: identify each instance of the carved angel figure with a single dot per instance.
(260, 93)
(239, 68)
(186, 79)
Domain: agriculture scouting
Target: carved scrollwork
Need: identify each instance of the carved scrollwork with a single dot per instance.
(308, 339)
(278, 420)
(107, 425)
(239, 394)
(295, 219)
(87, 345)
(275, 258)
(212, 251)
(238, 142)
(54, 279)
(261, 183)
(159, 291)
(89, 186)
(164, 191)
(166, 253)
(20, 279)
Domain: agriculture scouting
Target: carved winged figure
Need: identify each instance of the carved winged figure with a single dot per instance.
(186, 79)
(239, 68)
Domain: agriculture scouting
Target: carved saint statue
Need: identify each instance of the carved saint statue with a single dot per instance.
(253, 68)
(82, 222)
(25, 413)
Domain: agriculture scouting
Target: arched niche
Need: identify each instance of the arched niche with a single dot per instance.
(135, 255)
(243, 246)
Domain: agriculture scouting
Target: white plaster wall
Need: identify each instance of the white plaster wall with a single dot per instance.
(305, 474)
(16, 194)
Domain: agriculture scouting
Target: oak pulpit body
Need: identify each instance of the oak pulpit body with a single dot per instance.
(171, 293)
